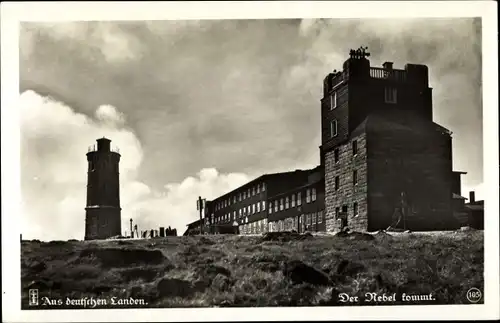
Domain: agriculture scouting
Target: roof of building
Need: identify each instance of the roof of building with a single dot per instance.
(384, 121)
(264, 176)
(458, 197)
(295, 189)
(193, 224)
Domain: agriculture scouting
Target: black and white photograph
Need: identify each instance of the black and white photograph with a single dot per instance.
(221, 160)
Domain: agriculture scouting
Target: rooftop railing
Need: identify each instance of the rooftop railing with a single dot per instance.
(386, 74)
(93, 148)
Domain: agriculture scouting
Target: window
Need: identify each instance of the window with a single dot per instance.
(258, 207)
(248, 193)
(234, 199)
(337, 212)
(391, 95)
(253, 208)
(313, 218)
(308, 196)
(344, 208)
(275, 206)
(249, 209)
(287, 203)
(270, 207)
(263, 187)
(245, 211)
(258, 188)
(241, 212)
(308, 219)
(336, 155)
(229, 201)
(337, 183)
(263, 205)
(244, 195)
(293, 200)
(281, 204)
(313, 194)
(320, 216)
(299, 199)
(239, 197)
(333, 128)
(355, 208)
(354, 147)
(333, 101)
(355, 177)
(234, 215)
(253, 191)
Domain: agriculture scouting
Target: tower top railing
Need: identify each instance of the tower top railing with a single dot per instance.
(388, 74)
(93, 148)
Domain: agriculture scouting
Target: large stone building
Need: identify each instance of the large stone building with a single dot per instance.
(383, 162)
(272, 202)
(386, 162)
(103, 211)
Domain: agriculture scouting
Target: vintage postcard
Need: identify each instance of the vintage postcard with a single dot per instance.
(190, 161)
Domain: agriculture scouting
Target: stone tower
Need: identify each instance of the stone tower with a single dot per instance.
(103, 211)
(386, 162)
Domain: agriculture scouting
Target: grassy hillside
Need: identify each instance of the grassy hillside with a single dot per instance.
(225, 270)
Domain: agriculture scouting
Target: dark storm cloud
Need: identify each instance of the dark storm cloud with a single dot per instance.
(243, 96)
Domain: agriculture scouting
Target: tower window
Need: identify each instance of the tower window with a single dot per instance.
(391, 95)
(354, 147)
(355, 177)
(337, 183)
(333, 101)
(336, 155)
(333, 128)
(355, 207)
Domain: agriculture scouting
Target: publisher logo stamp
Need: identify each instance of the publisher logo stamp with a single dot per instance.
(33, 297)
(474, 295)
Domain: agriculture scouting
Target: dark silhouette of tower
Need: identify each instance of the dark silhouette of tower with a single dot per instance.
(103, 211)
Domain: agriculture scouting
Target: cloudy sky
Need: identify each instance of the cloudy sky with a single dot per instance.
(201, 107)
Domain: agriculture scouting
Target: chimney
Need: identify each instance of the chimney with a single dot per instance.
(472, 197)
(388, 65)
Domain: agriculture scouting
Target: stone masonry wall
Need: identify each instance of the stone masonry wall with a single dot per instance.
(348, 193)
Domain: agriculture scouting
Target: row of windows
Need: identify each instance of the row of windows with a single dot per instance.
(390, 96)
(354, 180)
(285, 203)
(256, 227)
(305, 222)
(241, 196)
(245, 211)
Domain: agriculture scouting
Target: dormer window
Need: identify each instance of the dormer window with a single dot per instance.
(333, 101)
(391, 95)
